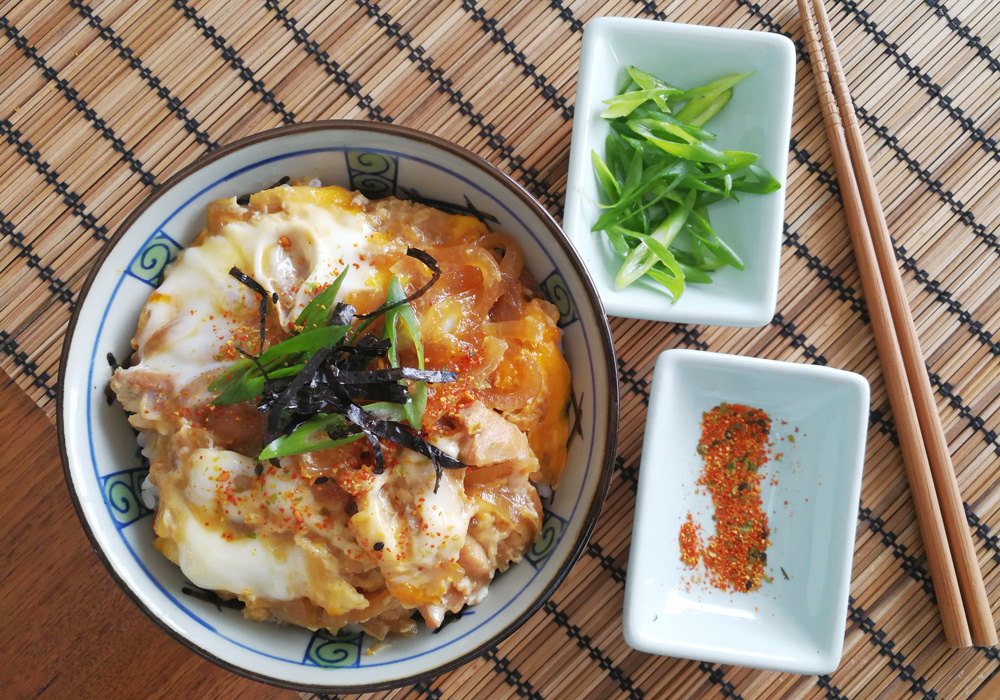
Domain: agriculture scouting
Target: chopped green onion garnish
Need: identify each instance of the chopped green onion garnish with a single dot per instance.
(659, 174)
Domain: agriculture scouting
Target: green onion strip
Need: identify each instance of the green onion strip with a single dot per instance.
(659, 175)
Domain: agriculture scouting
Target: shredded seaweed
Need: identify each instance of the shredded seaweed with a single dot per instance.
(431, 264)
(394, 374)
(342, 315)
(450, 617)
(255, 286)
(303, 384)
(449, 207)
(212, 597)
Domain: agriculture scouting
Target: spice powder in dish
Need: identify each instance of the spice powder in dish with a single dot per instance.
(733, 447)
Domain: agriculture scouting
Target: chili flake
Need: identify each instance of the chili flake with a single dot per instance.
(690, 542)
(733, 447)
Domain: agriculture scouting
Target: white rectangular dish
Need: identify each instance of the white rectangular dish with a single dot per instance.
(810, 495)
(757, 119)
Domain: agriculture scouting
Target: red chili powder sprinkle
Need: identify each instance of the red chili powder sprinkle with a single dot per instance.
(690, 542)
(734, 447)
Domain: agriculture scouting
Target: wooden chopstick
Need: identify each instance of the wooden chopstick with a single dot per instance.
(970, 577)
(898, 385)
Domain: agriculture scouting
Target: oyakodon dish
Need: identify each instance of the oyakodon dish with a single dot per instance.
(278, 464)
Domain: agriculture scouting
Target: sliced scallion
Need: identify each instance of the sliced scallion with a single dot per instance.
(659, 174)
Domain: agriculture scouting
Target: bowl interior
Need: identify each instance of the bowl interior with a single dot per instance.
(100, 452)
(757, 119)
(810, 493)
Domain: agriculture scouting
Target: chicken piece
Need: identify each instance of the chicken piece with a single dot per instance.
(507, 511)
(489, 439)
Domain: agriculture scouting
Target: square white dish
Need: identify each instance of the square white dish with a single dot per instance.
(793, 624)
(757, 119)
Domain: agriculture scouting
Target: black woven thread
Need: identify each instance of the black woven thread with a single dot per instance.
(787, 329)
(935, 186)
(331, 67)
(566, 14)
(690, 336)
(943, 296)
(832, 692)
(876, 636)
(975, 327)
(966, 124)
(26, 252)
(628, 473)
(896, 660)
(965, 215)
(39, 378)
(955, 400)
(649, 8)
(70, 198)
(802, 156)
(512, 676)
(231, 57)
(597, 552)
(933, 287)
(715, 675)
(765, 20)
(982, 50)
(174, 104)
(630, 379)
(798, 340)
(417, 55)
(78, 103)
(718, 678)
(983, 532)
(625, 683)
(901, 59)
(834, 282)
(498, 35)
(617, 573)
(930, 182)
(910, 565)
(878, 419)
(426, 689)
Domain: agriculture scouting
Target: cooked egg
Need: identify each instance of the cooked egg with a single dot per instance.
(200, 307)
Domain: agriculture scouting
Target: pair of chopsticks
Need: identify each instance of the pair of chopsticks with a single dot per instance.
(951, 556)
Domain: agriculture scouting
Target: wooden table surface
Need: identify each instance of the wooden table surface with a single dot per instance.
(63, 622)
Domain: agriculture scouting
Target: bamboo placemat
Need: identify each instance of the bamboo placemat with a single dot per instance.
(100, 101)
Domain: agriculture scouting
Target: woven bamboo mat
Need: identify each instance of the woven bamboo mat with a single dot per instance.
(100, 101)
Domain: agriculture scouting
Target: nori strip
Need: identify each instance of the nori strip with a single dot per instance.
(254, 285)
(343, 314)
(325, 385)
(431, 264)
(394, 374)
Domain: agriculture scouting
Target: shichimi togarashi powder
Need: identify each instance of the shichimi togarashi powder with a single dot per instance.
(733, 447)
